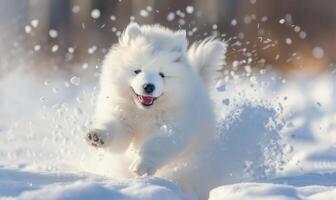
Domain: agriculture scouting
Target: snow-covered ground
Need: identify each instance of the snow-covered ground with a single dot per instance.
(276, 140)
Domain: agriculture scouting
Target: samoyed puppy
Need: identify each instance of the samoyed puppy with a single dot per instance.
(154, 98)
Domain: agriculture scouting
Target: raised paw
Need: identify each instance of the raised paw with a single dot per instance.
(143, 167)
(92, 138)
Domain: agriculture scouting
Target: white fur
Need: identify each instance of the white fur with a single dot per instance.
(182, 117)
(206, 57)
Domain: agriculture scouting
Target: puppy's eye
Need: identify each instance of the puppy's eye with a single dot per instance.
(137, 71)
(162, 74)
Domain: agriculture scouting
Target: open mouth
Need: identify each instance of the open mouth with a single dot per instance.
(146, 100)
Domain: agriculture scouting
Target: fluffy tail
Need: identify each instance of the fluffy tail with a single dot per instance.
(206, 57)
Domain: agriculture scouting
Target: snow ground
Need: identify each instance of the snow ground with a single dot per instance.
(34, 186)
(264, 191)
(276, 140)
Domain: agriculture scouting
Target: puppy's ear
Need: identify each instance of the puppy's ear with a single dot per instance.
(131, 32)
(181, 41)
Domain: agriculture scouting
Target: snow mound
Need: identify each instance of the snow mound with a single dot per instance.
(31, 186)
(244, 150)
(267, 191)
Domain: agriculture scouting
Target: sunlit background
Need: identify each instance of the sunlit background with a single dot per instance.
(288, 36)
(275, 101)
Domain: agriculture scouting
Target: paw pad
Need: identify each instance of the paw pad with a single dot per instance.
(93, 139)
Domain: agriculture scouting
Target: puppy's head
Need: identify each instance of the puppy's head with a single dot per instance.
(148, 67)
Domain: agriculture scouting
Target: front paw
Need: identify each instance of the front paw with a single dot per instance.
(143, 167)
(92, 138)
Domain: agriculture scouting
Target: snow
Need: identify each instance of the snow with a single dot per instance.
(265, 191)
(149, 8)
(170, 16)
(53, 33)
(234, 22)
(71, 50)
(65, 186)
(275, 141)
(113, 18)
(75, 9)
(318, 52)
(226, 102)
(144, 13)
(302, 35)
(95, 13)
(75, 80)
(37, 47)
(253, 1)
(34, 23)
(189, 9)
(92, 49)
(54, 48)
(220, 86)
(28, 29)
(288, 41)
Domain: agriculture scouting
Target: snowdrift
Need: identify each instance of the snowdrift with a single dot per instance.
(275, 141)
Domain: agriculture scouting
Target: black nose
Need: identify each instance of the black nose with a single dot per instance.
(149, 88)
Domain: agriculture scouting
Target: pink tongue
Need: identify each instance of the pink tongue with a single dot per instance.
(146, 100)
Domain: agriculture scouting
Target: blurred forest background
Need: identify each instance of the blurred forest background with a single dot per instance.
(291, 36)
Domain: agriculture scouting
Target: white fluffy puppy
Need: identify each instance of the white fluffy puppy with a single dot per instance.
(153, 95)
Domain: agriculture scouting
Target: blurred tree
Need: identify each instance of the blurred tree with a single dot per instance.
(252, 27)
